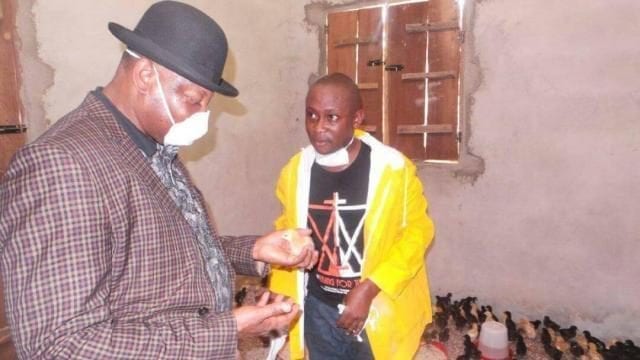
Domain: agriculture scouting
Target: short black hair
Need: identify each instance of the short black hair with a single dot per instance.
(345, 82)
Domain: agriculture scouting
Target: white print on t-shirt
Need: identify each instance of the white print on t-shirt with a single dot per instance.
(338, 258)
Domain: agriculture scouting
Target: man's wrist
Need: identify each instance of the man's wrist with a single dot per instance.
(371, 289)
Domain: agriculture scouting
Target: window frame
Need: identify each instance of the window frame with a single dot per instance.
(455, 129)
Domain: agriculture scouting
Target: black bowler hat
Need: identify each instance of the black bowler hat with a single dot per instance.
(182, 39)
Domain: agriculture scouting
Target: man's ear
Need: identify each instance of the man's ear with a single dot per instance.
(358, 118)
(143, 75)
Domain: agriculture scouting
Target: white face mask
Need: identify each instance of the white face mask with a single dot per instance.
(339, 157)
(185, 132)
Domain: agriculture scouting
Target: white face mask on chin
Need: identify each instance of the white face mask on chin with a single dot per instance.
(337, 158)
(185, 132)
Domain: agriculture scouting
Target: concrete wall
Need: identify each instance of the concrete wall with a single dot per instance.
(550, 226)
(539, 215)
(251, 136)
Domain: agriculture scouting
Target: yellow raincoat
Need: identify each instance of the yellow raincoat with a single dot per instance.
(397, 232)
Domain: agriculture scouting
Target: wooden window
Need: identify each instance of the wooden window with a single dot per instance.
(11, 129)
(11, 126)
(405, 58)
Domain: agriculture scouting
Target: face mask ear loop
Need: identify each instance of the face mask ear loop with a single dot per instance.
(132, 53)
(164, 100)
(350, 142)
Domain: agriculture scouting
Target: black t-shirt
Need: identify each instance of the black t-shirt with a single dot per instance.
(340, 263)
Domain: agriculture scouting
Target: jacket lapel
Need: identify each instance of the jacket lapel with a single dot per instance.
(131, 157)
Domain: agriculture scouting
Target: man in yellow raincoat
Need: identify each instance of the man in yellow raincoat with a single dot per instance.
(368, 295)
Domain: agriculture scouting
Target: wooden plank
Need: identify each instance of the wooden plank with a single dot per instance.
(7, 350)
(5, 335)
(9, 96)
(441, 26)
(356, 40)
(368, 86)
(10, 109)
(370, 77)
(434, 75)
(406, 99)
(345, 42)
(372, 39)
(9, 101)
(426, 129)
(444, 55)
(9, 143)
(340, 26)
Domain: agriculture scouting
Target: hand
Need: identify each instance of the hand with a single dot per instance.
(264, 317)
(277, 250)
(357, 304)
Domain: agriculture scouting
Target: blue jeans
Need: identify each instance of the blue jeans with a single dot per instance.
(325, 340)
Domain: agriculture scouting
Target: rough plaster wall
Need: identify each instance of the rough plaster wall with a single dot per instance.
(546, 223)
(35, 76)
(271, 55)
(551, 226)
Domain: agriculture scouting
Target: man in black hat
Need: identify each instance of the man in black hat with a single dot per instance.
(106, 246)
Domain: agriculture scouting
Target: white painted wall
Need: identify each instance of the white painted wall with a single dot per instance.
(551, 103)
(551, 226)
(272, 53)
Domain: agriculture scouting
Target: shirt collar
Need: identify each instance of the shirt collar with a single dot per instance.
(142, 140)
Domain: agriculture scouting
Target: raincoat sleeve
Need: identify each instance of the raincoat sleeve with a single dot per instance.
(410, 241)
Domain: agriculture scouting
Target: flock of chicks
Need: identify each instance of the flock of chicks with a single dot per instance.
(557, 342)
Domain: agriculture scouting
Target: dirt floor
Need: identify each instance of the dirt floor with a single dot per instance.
(445, 337)
(254, 349)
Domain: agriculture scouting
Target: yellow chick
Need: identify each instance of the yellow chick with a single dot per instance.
(561, 344)
(297, 242)
(593, 352)
(527, 328)
(473, 332)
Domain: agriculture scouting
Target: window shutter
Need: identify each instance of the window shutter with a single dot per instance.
(354, 47)
(11, 126)
(406, 53)
(370, 67)
(11, 131)
(444, 58)
(341, 42)
(410, 88)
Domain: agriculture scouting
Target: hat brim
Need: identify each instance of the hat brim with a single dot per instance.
(156, 53)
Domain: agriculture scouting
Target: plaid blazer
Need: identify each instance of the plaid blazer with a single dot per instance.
(97, 260)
